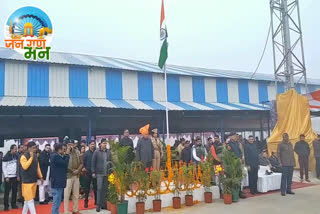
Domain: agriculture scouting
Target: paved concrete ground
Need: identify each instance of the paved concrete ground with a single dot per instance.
(306, 201)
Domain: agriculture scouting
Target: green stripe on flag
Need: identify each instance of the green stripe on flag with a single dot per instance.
(163, 54)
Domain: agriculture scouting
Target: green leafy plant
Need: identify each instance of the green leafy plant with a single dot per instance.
(122, 170)
(155, 177)
(141, 177)
(207, 174)
(177, 178)
(188, 178)
(233, 171)
(112, 194)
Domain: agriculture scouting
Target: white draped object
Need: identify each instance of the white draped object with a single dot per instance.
(268, 182)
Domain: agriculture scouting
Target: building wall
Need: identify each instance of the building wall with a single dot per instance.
(33, 80)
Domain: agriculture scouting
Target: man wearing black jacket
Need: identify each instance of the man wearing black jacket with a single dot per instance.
(100, 167)
(252, 163)
(87, 162)
(127, 141)
(303, 151)
(44, 162)
(186, 152)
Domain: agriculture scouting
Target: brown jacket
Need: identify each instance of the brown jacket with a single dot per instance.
(286, 154)
(75, 162)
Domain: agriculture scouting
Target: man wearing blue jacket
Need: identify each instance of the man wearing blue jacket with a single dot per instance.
(59, 167)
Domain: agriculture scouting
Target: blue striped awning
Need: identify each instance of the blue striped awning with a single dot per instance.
(125, 104)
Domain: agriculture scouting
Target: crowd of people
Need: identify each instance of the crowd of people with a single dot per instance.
(74, 169)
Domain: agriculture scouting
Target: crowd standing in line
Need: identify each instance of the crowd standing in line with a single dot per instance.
(57, 173)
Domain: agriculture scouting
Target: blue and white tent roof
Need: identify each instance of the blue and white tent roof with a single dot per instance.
(75, 80)
(135, 65)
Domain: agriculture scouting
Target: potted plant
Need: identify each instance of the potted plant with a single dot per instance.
(123, 176)
(177, 177)
(227, 189)
(188, 174)
(237, 178)
(141, 177)
(227, 178)
(112, 196)
(207, 174)
(155, 177)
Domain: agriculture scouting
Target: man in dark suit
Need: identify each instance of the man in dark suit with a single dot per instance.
(252, 163)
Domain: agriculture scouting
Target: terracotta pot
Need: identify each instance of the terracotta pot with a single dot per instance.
(227, 198)
(176, 202)
(140, 207)
(108, 205)
(113, 208)
(189, 200)
(156, 205)
(208, 197)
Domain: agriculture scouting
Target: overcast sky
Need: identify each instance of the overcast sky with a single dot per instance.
(221, 34)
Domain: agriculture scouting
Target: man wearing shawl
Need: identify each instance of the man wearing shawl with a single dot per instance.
(145, 150)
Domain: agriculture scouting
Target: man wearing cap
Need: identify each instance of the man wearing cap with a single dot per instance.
(316, 150)
(73, 183)
(145, 151)
(157, 147)
(287, 161)
(30, 174)
(303, 151)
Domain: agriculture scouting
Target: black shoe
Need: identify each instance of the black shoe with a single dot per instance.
(290, 193)
(98, 209)
(43, 203)
(283, 194)
(86, 204)
(14, 207)
(104, 208)
(6, 208)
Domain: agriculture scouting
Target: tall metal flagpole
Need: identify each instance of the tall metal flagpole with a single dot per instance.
(166, 97)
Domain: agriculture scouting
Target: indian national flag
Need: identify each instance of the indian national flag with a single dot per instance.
(163, 38)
